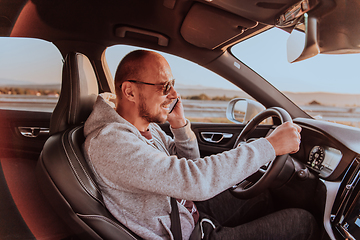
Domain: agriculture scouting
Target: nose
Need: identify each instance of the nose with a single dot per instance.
(172, 94)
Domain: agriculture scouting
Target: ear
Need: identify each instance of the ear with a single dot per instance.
(128, 91)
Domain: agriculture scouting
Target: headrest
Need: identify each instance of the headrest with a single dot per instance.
(79, 91)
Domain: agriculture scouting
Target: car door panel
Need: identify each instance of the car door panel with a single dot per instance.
(221, 132)
(14, 141)
(12, 225)
(24, 211)
(215, 138)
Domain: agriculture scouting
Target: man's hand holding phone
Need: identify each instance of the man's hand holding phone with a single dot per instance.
(173, 104)
(176, 116)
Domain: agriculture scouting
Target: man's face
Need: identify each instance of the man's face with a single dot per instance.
(153, 113)
(153, 104)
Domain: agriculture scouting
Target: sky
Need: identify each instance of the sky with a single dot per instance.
(20, 60)
(322, 73)
(29, 60)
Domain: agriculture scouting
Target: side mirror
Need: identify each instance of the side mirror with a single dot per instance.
(241, 110)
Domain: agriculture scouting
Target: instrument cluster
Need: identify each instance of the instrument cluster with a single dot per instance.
(324, 159)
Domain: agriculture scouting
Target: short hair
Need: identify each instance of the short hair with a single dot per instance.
(130, 67)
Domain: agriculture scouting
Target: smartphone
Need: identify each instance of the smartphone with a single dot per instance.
(173, 104)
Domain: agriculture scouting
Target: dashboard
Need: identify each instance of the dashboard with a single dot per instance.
(327, 148)
(332, 152)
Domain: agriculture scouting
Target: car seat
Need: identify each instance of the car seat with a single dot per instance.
(63, 173)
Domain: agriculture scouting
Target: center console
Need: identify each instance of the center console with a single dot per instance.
(345, 216)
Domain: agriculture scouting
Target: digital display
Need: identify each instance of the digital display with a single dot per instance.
(332, 158)
(352, 221)
(324, 159)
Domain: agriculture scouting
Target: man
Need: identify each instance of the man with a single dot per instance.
(138, 167)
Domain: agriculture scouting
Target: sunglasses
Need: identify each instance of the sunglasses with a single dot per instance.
(166, 86)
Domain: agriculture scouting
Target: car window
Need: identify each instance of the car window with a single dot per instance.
(326, 86)
(30, 74)
(205, 94)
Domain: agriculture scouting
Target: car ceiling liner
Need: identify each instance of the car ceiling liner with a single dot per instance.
(212, 24)
(209, 27)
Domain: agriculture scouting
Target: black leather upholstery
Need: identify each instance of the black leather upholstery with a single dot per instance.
(63, 172)
(79, 90)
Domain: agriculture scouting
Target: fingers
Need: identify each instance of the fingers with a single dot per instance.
(285, 138)
(177, 116)
(291, 125)
(295, 142)
(298, 128)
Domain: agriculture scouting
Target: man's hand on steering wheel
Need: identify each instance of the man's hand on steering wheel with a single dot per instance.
(285, 138)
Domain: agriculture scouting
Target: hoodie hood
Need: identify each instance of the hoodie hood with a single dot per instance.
(103, 114)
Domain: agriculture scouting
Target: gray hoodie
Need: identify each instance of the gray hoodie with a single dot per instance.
(137, 176)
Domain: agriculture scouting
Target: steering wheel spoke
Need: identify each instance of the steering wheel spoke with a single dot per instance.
(262, 179)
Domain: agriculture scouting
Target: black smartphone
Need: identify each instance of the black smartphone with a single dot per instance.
(173, 104)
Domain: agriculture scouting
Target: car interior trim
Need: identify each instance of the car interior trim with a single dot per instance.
(162, 40)
(345, 209)
(331, 193)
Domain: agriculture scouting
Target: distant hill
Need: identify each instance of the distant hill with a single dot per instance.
(28, 85)
(326, 99)
(10, 82)
(322, 98)
(302, 99)
(211, 92)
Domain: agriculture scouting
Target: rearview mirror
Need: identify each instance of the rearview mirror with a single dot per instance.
(303, 45)
(333, 27)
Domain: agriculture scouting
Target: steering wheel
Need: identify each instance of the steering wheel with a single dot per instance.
(254, 184)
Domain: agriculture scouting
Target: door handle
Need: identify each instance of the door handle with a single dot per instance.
(32, 132)
(215, 137)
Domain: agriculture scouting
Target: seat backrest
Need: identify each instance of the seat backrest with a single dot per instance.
(79, 90)
(63, 172)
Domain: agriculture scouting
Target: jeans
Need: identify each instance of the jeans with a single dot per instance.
(254, 219)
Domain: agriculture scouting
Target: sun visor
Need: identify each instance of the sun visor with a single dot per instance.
(208, 27)
(339, 30)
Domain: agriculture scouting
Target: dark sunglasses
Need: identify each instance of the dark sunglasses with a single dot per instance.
(166, 86)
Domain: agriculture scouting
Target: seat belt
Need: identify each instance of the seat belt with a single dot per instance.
(175, 220)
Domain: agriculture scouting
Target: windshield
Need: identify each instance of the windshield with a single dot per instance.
(326, 86)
